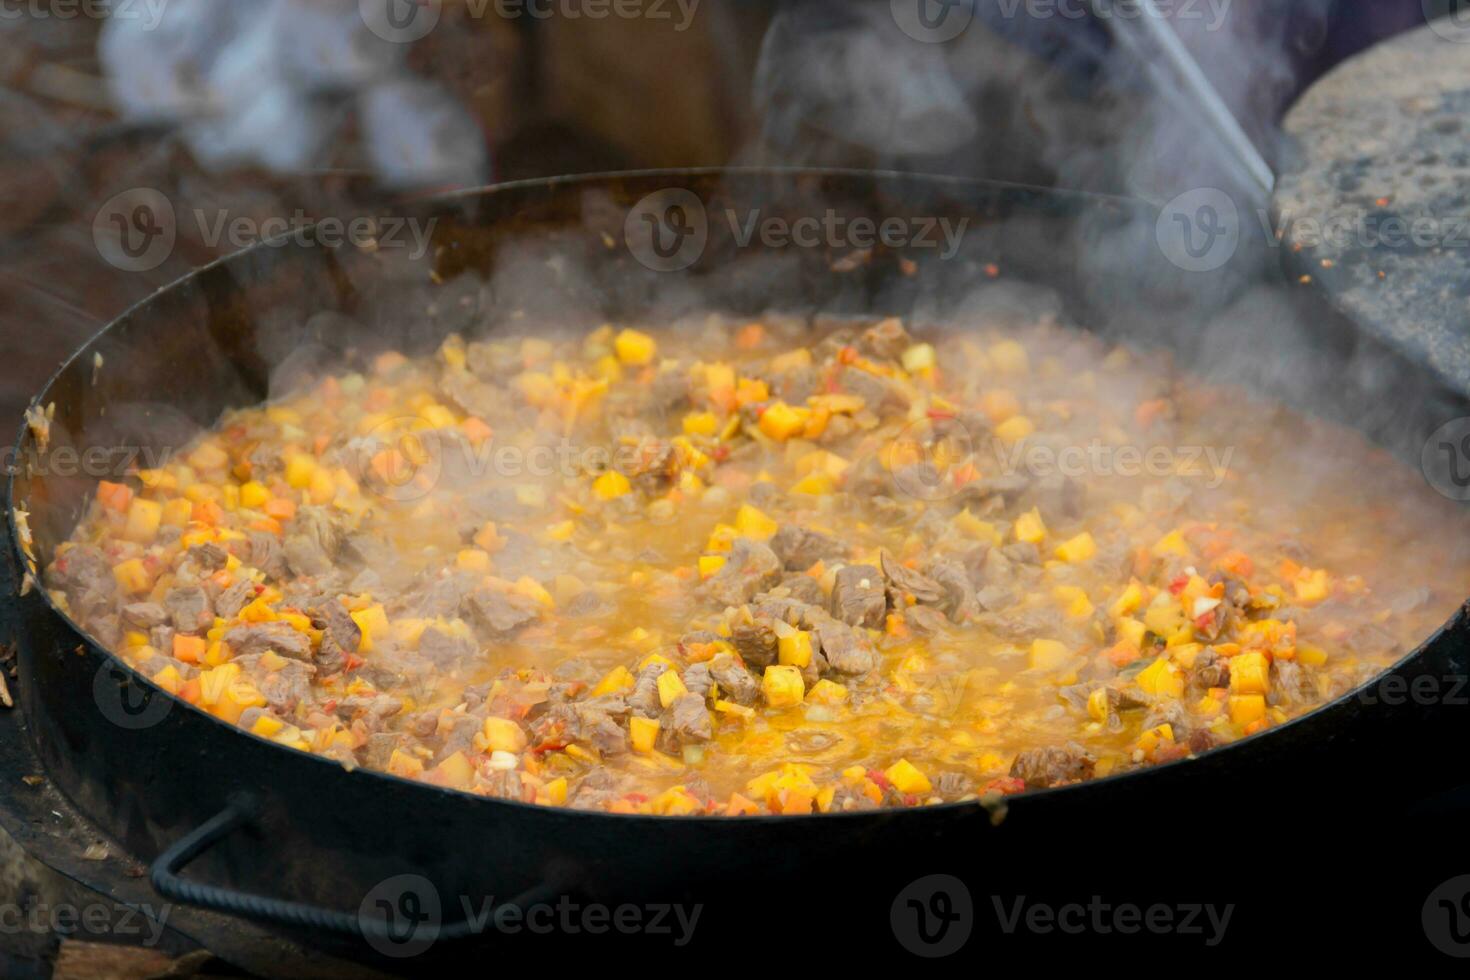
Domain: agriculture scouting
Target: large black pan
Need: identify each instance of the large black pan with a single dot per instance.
(278, 824)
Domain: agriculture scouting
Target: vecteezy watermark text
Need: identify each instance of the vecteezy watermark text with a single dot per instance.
(137, 230)
(1101, 918)
(144, 923)
(149, 12)
(668, 230)
(407, 21)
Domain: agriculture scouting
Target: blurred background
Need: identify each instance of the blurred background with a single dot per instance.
(245, 110)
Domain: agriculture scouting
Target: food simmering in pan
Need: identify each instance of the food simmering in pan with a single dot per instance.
(779, 566)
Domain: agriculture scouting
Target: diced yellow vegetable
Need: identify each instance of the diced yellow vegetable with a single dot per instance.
(826, 692)
(254, 494)
(1014, 429)
(455, 771)
(1172, 543)
(1247, 708)
(500, 735)
(299, 470)
(920, 357)
(144, 517)
(814, 484)
(617, 679)
(1078, 549)
(701, 424)
(635, 348)
(1030, 528)
(907, 778)
(553, 793)
(400, 763)
(1048, 655)
(1250, 673)
(372, 621)
(1161, 678)
(670, 688)
(782, 686)
(611, 485)
(1129, 602)
(1310, 656)
(472, 560)
(795, 649)
(132, 576)
(1311, 586)
(751, 522)
(643, 733)
(176, 512)
(710, 564)
(1074, 601)
(780, 421)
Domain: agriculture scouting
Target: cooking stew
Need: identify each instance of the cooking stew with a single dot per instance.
(784, 566)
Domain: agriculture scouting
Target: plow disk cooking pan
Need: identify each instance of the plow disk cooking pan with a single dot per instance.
(296, 841)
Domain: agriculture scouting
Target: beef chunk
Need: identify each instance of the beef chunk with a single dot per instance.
(904, 582)
(847, 651)
(372, 710)
(688, 718)
(644, 700)
(857, 596)
(957, 598)
(445, 649)
(698, 680)
(284, 689)
(953, 785)
(85, 576)
(189, 608)
(655, 470)
(305, 555)
(735, 681)
(266, 554)
(800, 549)
(803, 588)
(256, 638)
(755, 642)
(1210, 669)
(144, 615)
(925, 620)
(332, 616)
(209, 557)
(436, 598)
(1058, 497)
(751, 567)
(1043, 768)
(886, 340)
(235, 598)
(500, 613)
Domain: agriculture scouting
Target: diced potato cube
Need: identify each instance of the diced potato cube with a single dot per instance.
(710, 564)
(176, 512)
(701, 424)
(826, 692)
(1078, 549)
(635, 348)
(1030, 528)
(920, 357)
(501, 735)
(553, 793)
(1129, 602)
(1310, 656)
(254, 494)
(1014, 429)
(1247, 708)
(1172, 543)
(299, 470)
(1074, 601)
(372, 621)
(751, 522)
(455, 771)
(1161, 678)
(670, 688)
(795, 650)
(643, 733)
(1250, 673)
(620, 678)
(780, 421)
(611, 485)
(132, 576)
(814, 484)
(144, 517)
(907, 778)
(782, 686)
(472, 560)
(402, 764)
(1048, 655)
(1311, 586)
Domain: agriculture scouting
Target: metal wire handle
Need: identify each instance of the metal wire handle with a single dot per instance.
(242, 810)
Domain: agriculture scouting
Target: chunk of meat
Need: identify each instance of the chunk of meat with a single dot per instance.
(84, 574)
(750, 568)
(736, 683)
(803, 588)
(189, 608)
(500, 613)
(444, 648)
(305, 556)
(332, 616)
(689, 720)
(755, 642)
(858, 597)
(1045, 768)
(266, 554)
(235, 598)
(800, 549)
(256, 638)
(144, 615)
(209, 557)
(886, 340)
(957, 598)
(847, 651)
(904, 582)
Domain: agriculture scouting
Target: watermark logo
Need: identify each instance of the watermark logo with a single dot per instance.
(923, 458)
(136, 230)
(400, 21)
(1364, 228)
(932, 21)
(933, 917)
(1102, 918)
(124, 702)
(1453, 26)
(142, 925)
(401, 916)
(667, 230)
(1446, 460)
(1446, 917)
(1199, 231)
(400, 458)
